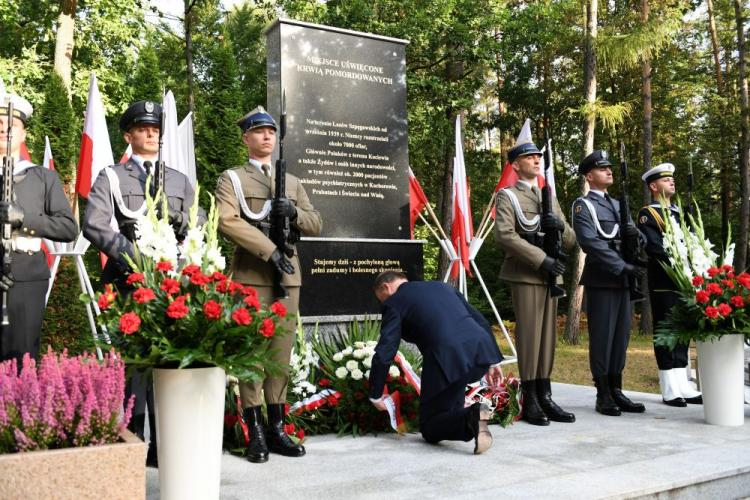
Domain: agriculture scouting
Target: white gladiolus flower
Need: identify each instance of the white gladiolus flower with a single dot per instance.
(347, 351)
(367, 374)
(367, 362)
(357, 374)
(358, 353)
(393, 371)
(297, 390)
(338, 356)
(352, 365)
(341, 372)
(359, 344)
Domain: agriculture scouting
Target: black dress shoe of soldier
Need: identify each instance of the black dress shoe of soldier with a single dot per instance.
(549, 407)
(257, 449)
(278, 441)
(531, 411)
(625, 404)
(676, 402)
(152, 457)
(697, 400)
(604, 402)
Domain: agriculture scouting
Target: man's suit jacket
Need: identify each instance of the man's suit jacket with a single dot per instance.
(653, 229)
(522, 259)
(99, 211)
(604, 265)
(455, 340)
(250, 262)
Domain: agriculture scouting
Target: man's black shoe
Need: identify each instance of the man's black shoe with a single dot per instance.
(278, 440)
(604, 402)
(676, 402)
(625, 404)
(257, 449)
(531, 412)
(549, 407)
(697, 400)
(152, 457)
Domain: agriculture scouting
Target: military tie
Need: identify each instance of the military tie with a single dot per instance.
(266, 168)
(611, 204)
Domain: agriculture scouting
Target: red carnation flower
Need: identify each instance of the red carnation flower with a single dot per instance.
(324, 382)
(164, 266)
(737, 301)
(702, 296)
(171, 286)
(199, 279)
(222, 286)
(728, 283)
(713, 271)
(697, 280)
(714, 289)
(252, 301)
(725, 309)
(712, 312)
(301, 434)
(730, 274)
(236, 287)
(286, 409)
(107, 298)
(278, 309)
(242, 316)
(289, 429)
(727, 268)
(135, 278)
(129, 323)
(177, 309)
(744, 280)
(191, 269)
(249, 291)
(143, 295)
(212, 309)
(217, 276)
(267, 328)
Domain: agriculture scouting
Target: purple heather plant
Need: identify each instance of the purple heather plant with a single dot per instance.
(65, 401)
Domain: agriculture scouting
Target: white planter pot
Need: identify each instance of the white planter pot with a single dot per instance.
(189, 418)
(720, 364)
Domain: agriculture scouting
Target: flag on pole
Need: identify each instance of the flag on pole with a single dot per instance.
(96, 152)
(417, 200)
(188, 147)
(171, 152)
(462, 229)
(127, 154)
(48, 162)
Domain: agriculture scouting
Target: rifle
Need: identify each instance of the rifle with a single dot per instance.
(279, 224)
(552, 243)
(7, 196)
(630, 250)
(157, 183)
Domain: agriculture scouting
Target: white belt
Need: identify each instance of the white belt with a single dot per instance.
(26, 244)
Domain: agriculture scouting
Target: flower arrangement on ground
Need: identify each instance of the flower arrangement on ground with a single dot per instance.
(503, 398)
(715, 298)
(63, 402)
(183, 312)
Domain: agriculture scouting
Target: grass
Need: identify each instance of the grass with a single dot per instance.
(572, 361)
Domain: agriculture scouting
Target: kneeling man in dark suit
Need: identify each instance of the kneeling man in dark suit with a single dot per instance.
(457, 345)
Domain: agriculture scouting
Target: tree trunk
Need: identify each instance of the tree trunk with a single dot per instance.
(740, 256)
(646, 319)
(189, 53)
(573, 323)
(64, 41)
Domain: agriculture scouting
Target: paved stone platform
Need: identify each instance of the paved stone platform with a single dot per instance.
(665, 452)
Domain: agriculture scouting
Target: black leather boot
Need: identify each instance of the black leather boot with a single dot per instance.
(549, 407)
(278, 441)
(625, 404)
(257, 449)
(532, 412)
(604, 402)
(137, 425)
(152, 456)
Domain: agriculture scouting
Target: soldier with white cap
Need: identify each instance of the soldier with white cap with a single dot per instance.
(676, 390)
(39, 209)
(519, 230)
(243, 199)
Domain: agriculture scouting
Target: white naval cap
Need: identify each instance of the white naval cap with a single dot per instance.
(21, 107)
(659, 171)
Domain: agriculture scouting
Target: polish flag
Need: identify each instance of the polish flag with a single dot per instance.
(24, 153)
(462, 230)
(96, 152)
(127, 154)
(417, 200)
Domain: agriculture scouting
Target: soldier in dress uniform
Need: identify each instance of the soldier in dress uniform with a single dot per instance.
(596, 221)
(519, 230)
(119, 192)
(243, 198)
(676, 390)
(39, 210)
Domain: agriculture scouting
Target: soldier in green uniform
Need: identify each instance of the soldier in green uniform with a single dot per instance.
(519, 230)
(243, 197)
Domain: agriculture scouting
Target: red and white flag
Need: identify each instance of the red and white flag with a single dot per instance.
(462, 230)
(417, 200)
(96, 152)
(127, 154)
(48, 162)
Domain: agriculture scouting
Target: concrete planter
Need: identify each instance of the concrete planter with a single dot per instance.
(111, 471)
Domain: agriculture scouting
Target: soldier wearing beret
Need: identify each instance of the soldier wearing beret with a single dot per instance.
(243, 197)
(119, 193)
(519, 230)
(39, 209)
(676, 390)
(596, 221)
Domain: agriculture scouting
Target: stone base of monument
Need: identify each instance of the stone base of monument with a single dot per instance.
(666, 452)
